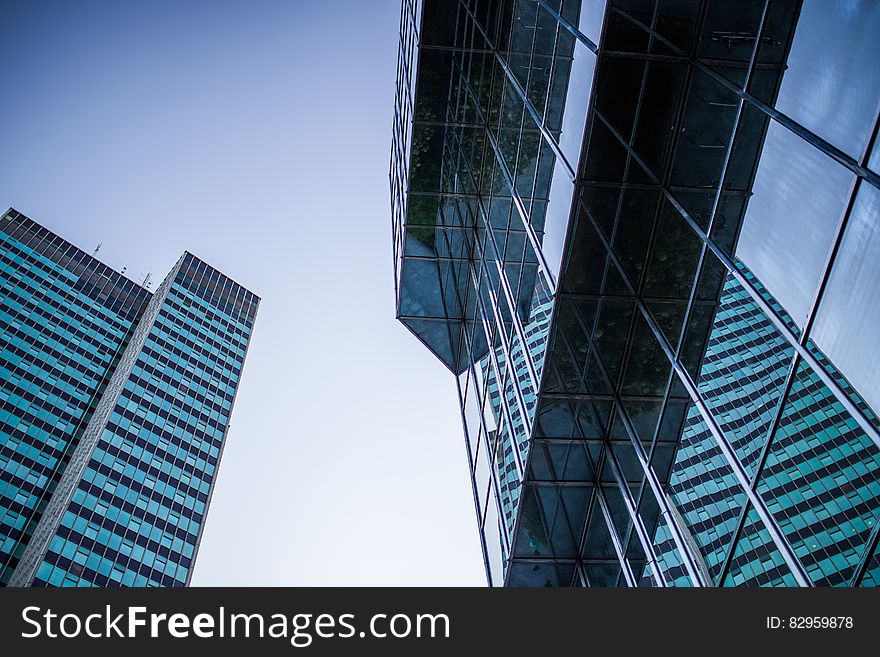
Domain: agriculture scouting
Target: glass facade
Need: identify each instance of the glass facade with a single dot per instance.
(116, 403)
(807, 458)
(641, 235)
(491, 105)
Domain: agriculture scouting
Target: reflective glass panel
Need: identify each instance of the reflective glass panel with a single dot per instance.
(798, 196)
(821, 481)
(846, 326)
(833, 82)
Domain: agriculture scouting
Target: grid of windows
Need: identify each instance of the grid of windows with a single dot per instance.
(486, 138)
(704, 398)
(818, 474)
(157, 397)
(65, 318)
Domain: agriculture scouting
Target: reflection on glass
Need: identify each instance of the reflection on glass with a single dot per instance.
(495, 552)
(590, 20)
(799, 194)
(482, 471)
(471, 406)
(746, 359)
(872, 572)
(669, 560)
(556, 221)
(833, 82)
(707, 496)
(577, 101)
(820, 481)
(846, 326)
(756, 560)
(874, 160)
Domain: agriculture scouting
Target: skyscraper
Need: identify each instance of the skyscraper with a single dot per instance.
(688, 192)
(114, 407)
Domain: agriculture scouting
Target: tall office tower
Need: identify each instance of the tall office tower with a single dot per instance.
(114, 407)
(684, 196)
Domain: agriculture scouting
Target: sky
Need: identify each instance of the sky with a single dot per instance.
(257, 136)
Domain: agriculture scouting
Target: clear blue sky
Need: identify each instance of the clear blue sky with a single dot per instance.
(257, 135)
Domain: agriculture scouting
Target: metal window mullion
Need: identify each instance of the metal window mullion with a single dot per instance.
(508, 297)
(515, 197)
(568, 26)
(782, 119)
(517, 518)
(757, 502)
(646, 546)
(530, 108)
(560, 504)
(506, 342)
(692, 561)
(726, 449)
(615, 539)
(505, 410)
(759, 466)
(505, 287)
(702, 260)
(783, 328)
(471, 472)
(591, 509)
(635, 519)
(864, 562)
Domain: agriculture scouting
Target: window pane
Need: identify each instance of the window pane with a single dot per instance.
(799, 194)
(832, 82)
(846, 327)
(820, 481)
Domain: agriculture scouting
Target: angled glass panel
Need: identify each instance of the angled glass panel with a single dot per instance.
(531, 536)
(756, 560)
(821, 481)
(729, 33)
(829, 86)
(652, 139)
(743, 372)
(618, 90)
(496, 551)
(647, 369)
(669, 560)
(872, 571)
(848, 316)
(598, 545)
(610, 332)
(799, 194)
(674, 258)
(707, 495)
(706, 130)
(603, 573)
(632, 232)
(568, 526)
(589, 20)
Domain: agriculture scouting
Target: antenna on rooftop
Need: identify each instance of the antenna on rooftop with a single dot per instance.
(97, 248)
(146, 282)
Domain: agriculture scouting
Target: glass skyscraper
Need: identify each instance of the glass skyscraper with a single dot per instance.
(643, 235)
(114, 407)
